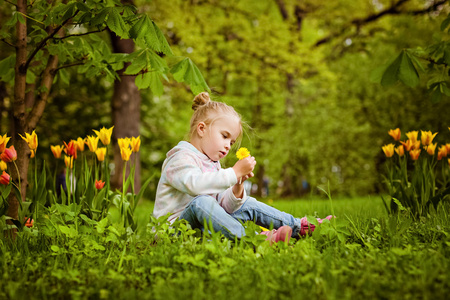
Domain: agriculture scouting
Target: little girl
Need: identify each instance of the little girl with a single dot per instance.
(194, 187)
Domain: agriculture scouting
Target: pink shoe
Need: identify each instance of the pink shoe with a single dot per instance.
(283, 233)
(308, 227)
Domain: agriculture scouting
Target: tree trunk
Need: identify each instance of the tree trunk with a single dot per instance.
(23, 122)
(126, 114)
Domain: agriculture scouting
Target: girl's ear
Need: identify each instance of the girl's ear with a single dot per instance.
(201, 128)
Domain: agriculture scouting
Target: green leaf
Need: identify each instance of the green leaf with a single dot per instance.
(69, 11)
(143, 81)
(140, 28)
(116, 23)
(165, 48)
(407, 72)
(155, 84)
(64, 76)
(179, 69)
(187, 71)
(99, 19)
(445, 23)
(31, 77)
(436, 95)
(390, 76)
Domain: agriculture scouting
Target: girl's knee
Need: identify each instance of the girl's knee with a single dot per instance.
(204, 200)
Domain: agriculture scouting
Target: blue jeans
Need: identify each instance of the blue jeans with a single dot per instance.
(207, 208)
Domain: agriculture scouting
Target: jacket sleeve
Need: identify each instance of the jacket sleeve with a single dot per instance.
(184, 174)
(229, 201)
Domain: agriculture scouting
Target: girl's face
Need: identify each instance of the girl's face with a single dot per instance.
(217, 138)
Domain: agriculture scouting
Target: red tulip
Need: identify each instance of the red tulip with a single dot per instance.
(5, 178)
(99, 184)
(9, 155)
(71, 149)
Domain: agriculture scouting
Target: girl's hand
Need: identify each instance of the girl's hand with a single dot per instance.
(238, 188)
(245, 177)
(244, 167)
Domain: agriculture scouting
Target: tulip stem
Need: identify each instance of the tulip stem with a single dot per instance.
(18, 176)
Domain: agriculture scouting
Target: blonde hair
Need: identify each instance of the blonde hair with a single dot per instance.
(208, 111)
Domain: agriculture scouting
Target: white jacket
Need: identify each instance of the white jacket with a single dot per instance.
(187, 173)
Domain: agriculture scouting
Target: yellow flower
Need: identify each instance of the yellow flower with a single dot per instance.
(80, 144)
(408, 145)
(431, 148)
(92, 142)
(414, 154)
(395, 133)
(124, 143)
(101, 153)
(3, 165)
(57, 150)
(105, 135)
(68, 160)
(449, 160)
(32, 141)
(427, 137)
(442, 152)
(416, 145)
(448, 147)
(400, 150)
(242, 153)
(135, 143)
(412, 135)
(125, 153)
(388, 150)
(3, 141)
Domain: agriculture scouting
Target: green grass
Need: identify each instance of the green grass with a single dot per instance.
(364, 254)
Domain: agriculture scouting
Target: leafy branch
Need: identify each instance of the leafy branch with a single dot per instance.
(392, 10)
(44, 41)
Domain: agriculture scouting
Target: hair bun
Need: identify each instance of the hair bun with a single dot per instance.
(200, 100)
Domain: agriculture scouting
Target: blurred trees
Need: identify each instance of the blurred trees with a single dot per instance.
(304, 75)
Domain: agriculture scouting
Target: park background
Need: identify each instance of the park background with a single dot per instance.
(302, 74)
(320, 84)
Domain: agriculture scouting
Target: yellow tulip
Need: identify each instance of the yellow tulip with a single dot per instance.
(3, 141)
(442, 152)
(32, 141)
(412, 135)
(92, 142)
(105, 135)
(427, 137)
(57, 150)
(431, 148)
(135, 143)
(3, 165)
(123, 142)
(408, 145)
(101, 153)
(125, 153)
(395, 133)
(400, 150)
(388, 150)
(448, 147)
(68, 160)
(414, 154)
(80, 144)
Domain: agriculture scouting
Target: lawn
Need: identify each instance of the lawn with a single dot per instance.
(365, 254)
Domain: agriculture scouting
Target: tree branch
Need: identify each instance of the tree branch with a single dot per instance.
(44, 41)
(7, 43)
(46, 82)
(68, 66)
(393, 10)
(10, 2)
(80, 34)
